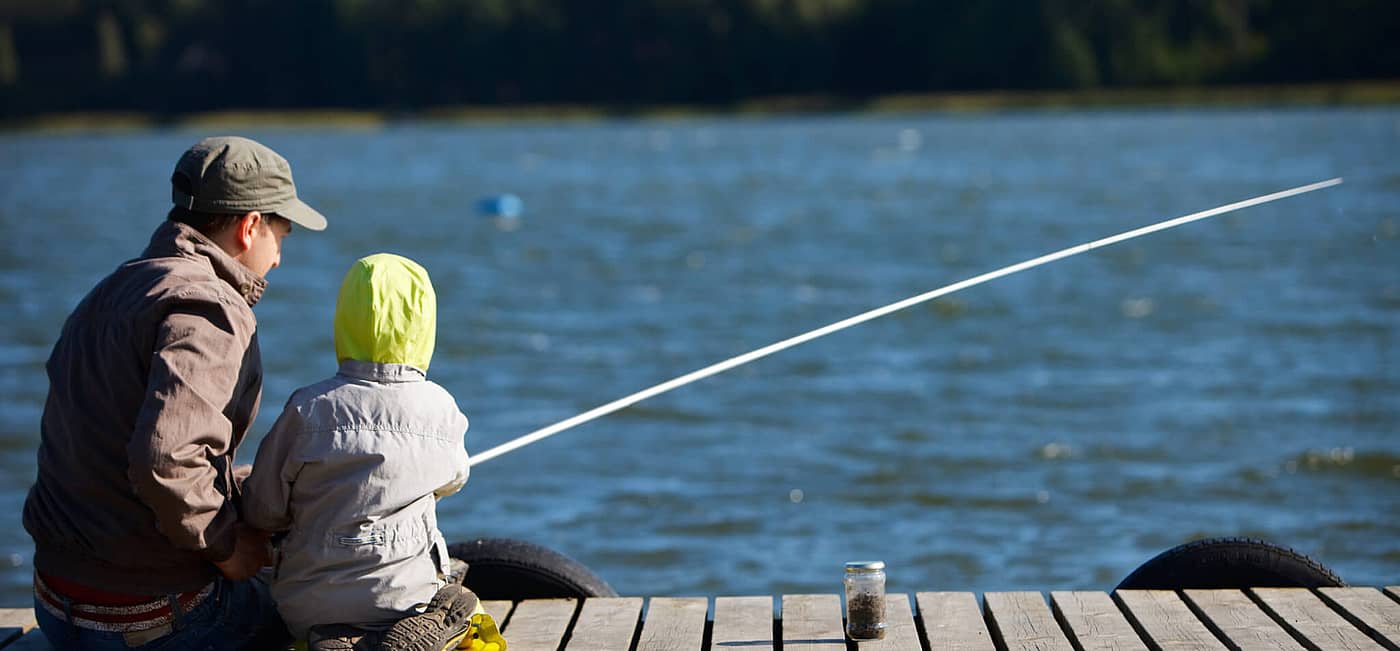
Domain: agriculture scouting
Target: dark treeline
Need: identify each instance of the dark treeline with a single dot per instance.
(175, 56)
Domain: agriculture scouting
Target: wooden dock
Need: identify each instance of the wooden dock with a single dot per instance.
(1259, 618)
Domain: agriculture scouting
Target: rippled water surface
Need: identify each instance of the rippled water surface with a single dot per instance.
(1049, 430)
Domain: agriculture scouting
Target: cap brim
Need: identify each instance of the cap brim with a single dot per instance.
(302, 215)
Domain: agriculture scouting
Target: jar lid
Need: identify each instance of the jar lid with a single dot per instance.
(865, 566)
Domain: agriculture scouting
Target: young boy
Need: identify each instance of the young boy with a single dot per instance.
(352, 470)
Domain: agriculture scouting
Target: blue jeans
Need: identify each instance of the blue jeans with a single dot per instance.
(237, 615)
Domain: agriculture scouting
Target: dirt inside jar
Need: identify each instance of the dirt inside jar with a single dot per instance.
(865, 615)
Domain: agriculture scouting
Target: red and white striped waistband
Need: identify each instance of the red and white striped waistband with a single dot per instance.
(117, 619)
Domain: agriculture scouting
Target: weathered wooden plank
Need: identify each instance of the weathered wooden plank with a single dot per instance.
(15, 622)
(1021, 620)
(743, 624)
(812, 622)
(900, 632)
(1236, 616)
(605, 624)
(1166, 620)
(539, 624)
(1311, 619)
(673, 624)
(499, 610)
(1333, 618)
(21, 618)
(1370, 610)
(1094, 621)
(953, 621)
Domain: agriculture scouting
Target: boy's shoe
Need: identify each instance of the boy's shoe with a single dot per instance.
(445, 624)
(341, 637)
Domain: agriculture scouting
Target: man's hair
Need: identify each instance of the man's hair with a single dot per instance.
(208, 223)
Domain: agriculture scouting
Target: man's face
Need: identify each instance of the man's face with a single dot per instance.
(265, 253)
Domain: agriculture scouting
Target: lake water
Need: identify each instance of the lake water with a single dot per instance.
(1049, 430)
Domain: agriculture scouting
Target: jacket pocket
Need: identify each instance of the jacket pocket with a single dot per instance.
(360, 539)
(396, 546)
(393, 539)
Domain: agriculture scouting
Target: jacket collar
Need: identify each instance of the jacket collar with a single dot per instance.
(381, 372)
(174, 239)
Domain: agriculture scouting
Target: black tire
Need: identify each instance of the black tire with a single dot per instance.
(1216, 563)
(506, 568)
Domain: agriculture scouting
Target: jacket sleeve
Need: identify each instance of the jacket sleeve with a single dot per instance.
(267, 493)
(459, 468)
(181, 449)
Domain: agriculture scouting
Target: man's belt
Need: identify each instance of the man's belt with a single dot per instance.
(123, 618)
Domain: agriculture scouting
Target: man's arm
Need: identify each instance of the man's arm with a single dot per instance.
(250, 554)
(182, 430)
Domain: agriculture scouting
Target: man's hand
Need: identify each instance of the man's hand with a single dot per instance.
(250, 554)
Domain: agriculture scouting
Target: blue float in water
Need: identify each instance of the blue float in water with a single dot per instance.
(500, 205)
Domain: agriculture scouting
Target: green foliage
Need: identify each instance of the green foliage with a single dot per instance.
(175, 56)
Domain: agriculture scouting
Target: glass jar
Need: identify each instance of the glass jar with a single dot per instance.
(865, 600)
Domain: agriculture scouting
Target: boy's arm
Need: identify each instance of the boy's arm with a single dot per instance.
(460, 469)
(267, 492)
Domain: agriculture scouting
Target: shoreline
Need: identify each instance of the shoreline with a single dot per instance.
(1348, 93)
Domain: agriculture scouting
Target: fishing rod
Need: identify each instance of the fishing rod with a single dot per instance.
(876, 313)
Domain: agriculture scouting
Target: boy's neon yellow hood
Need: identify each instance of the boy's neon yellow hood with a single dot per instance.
(386, 312)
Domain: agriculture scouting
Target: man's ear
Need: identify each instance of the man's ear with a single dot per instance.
(245, 230)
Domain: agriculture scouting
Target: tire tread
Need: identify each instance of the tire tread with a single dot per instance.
(1230, 562)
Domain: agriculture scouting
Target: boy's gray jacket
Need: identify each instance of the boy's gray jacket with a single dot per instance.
(351, 470)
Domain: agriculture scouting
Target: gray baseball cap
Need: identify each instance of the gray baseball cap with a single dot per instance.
(229, 174)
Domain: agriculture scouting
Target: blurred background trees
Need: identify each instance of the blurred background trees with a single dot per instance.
(168, 57)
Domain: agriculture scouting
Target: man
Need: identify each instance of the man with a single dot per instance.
(153, 383)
